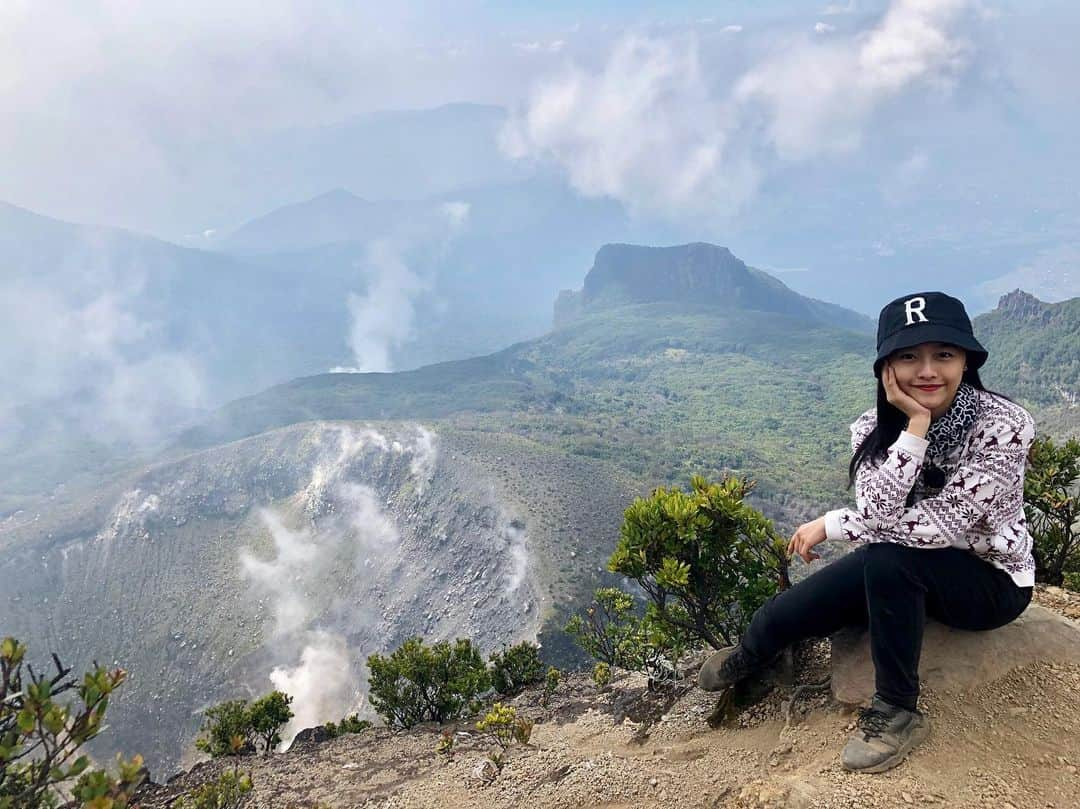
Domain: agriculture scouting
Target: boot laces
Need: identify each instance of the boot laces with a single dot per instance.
(873, 722)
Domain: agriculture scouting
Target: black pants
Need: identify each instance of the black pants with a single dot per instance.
(891, 588)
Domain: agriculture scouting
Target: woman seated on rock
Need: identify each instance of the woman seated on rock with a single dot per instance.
(938, 471)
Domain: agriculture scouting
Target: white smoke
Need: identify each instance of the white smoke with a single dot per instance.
(345, 524)
(78, 342)
(657, 130)
(382, 318)
(320, 684)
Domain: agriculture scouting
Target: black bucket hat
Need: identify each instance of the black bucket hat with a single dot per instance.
(926, 317)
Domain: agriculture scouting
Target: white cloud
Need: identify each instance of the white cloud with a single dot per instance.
(732, 29)
(645, 129)
(823, 28)
(457, 213)
(835, 8)
(1051, 275)
(82, 338)
(816, 97)
(654, 129)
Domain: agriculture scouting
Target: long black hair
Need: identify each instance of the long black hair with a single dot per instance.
(891, 421)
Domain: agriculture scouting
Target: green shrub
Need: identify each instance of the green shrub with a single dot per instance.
(551, 682)
(268, 715)
(41, 738)
(227, 791)
(705, 558)
(350, 724)
(418, 683)
(1052, 507)
(234, 727)
(609, 631)
(1072, 581)
(601, 674)
(504, 727)
(227, 730)
(515, 668)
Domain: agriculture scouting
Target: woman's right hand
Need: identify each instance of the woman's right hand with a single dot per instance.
(900, 400)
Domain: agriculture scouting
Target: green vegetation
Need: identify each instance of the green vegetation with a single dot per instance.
(1052, 507)
(41, 739)
(418, 683)
(349, 724)
(1034, 349)
(228, 791)
(609, 631)
(601, 674)
(551, 683)
(504, 727)
(515, 668)
(706, 559)
(268, 715)
(233, 728)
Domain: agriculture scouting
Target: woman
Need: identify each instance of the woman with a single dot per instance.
(938, 471)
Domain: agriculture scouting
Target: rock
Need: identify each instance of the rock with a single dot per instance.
(315, 735)
(957, 660)
(484, 771)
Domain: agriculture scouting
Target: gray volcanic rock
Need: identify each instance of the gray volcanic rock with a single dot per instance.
(959, 661)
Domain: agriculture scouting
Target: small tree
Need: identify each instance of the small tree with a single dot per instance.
(610, 631)
(419, 683)
(268, 715)
(1052, 507)
(41, 738)
(227, 730)
(515, 668)
(706, 559)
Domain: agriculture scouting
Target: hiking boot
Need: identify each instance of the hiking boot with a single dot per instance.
(727, 667)
(885, 735)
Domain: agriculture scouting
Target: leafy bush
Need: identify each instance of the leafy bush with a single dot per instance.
(41, 739)
(232, 728)
(227, 730)
(268, 715)
(418, 683)
(614, 633)
(227, 791)
(515, 668)
(1052, 507)
(1072, 582)
(350, 724)
(610, 631)
(551, 682)
(601, 674)
(706, 560)
(504, 727)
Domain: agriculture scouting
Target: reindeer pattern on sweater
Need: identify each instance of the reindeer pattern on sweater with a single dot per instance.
(980, 508)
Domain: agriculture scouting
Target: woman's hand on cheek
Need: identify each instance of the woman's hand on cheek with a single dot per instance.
(805, 538)
(898, 399)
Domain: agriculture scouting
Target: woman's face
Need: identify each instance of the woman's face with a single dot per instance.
(929, 373)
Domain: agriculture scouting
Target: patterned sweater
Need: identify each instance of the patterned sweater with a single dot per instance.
(980, 508)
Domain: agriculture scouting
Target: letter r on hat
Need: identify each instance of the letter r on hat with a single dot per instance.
(913, 307)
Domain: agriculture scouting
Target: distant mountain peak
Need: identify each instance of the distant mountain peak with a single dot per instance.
(694, 273)
(1022, 305)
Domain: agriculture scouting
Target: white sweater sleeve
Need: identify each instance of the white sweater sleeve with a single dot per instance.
(989, 478)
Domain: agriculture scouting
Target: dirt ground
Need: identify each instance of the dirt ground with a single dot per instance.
(1013, 743)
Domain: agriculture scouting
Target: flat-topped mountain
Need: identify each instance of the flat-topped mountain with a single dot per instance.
(697, 273)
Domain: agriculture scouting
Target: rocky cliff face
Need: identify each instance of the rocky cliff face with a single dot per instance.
(278, 561)
(695, 273)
